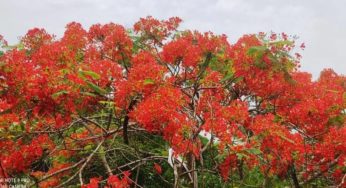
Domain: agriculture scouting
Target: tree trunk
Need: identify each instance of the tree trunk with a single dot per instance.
(125, 132)
(126, 122)
(194, 171)
(294, 177)
(176, 175)
(240, 163)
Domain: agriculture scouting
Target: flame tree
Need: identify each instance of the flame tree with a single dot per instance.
(154, 105)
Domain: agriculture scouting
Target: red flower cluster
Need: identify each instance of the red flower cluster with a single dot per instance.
(113, 181)
(250, 97)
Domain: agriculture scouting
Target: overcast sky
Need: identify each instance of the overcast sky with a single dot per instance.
(320, 24)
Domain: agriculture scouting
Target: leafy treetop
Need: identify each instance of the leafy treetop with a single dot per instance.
(82, 96)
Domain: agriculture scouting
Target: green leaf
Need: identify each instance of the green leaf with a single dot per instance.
(282, 43)
(241, 155)
(256, 49)
(260, 64)
(203, 139)
(254, 151)
(16, 127)
(20, 46)
(60, 159)
(336, 121)
(96, 88)
(88, 147)
(59, 93)
(228, 76)
(221, 157)
(101, 152)
(107, 102)
(238, 79)
(88, 94)
(278, 119)
(92, 74)
(148, 81)
(65, 71)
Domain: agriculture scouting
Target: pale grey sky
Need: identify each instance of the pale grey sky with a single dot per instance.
(320, 24)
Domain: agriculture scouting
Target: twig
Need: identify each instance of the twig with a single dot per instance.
(95, 123)
(83, 166)
(58, 172)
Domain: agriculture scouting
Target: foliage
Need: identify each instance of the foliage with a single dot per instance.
(156, 106)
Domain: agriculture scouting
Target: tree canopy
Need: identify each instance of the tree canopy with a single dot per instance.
(154, 105)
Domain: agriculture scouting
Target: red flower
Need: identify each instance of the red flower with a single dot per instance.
(94, 183)
(302, 46)
(158, 168)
